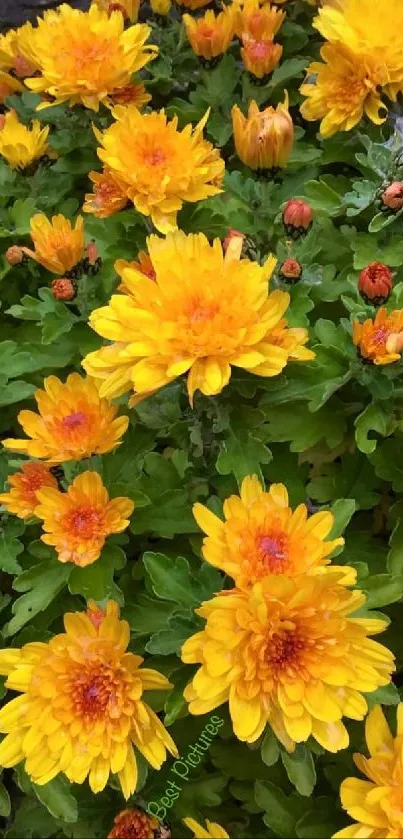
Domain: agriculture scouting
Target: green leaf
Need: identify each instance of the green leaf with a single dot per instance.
(270, 748)
(373, 418)
(300, 769)
(56, 796)
(387, 695)
(395, 555)
(175, 705)
(296, 424)
(42, 584)
(148, 615)
(315, 381)
(382, 589)
(380, 221)
(15, 391)
(318, 823)
(171, 579)
(278, 813)
(10, 546)
(96, 581)
(171, 640)
(239, 761)
(322, 197)
(170, 515)
(5, 802)
(343, 509)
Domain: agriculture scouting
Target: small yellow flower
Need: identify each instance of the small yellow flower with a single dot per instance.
(8, 86)
(82, 709)
(158, 166)
(203, 312)
(128, 8)
(21, 498)
(108, 196)
(258, 19)
(73, 422)
(58, 245)
(161, 7)
(11, 56)
(380, 340)
(376, 804)
(260, 57)
(291, 653)
(21, 145)
(263, 139)
(85, 57)
(211, 831)
(210, 35)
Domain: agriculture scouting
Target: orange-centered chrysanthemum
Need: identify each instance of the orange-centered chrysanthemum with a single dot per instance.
(77, 522)
(81, 708)
(211, 35)
(58, 245)
(134, 824)
(380, 340)
(288, 652)
(158, 166)
(263, 139)
(376, 804)
(21, 499)
(21, 145)
(258, 19)
(261, 535)
(204, 312)
(84, 57)
(108, 196)
(73, 422)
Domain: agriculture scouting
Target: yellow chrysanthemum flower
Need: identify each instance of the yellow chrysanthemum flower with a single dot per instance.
(263, 139)
(261, 535)
(21, 499)
(211, 35)
(108, 196)
(161, 7)
(344, 88)
(380, 340)
(203, 312)
(84, 57)
(288, 652)
(258, 19)
(11, 56)
(58, 245)
(211, 831)
(158, 166)
(128, 8)
(8, 86)
(260, 57)
(73, 422)
(81, 707)
(376, 804)
(20, 145)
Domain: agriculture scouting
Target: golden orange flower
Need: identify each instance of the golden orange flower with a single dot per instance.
(258, 19)
(11, 58)
(158, 166)
(8, 86)
(134, 824)
(260, 57)
(82, 707)
(261, 535)
(85, 57)
(204, 312)
(21, 498)
(380, 340)
(288, 652)
(142, 264)
(21, 145)
(211, 35)
(161, 7)
(128, 8)
(132, 94)
(263, 139)
(77, 522)
(58, 245)
(73, 422)
(108, 196)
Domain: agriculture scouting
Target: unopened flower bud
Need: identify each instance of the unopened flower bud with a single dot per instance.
(263, 139)
(375, 283)
(297, 217)
(91, 253)
(14, 255)
(63, 289)
(233, 235)
(290, 271)
(392, 196)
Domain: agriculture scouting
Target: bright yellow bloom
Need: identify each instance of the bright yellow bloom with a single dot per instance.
(11, 57)
(8, 86)
(376, 804)
(193, 4)
(158, 166)
(84, 57)
(289, 653)
(204, 312)
(128, 8)
(21, 145)
(263, 139)
(81, 706)
(211, 35)
(77, 522)
(73, 422)
(211, 831)
(380, 340)
(108, 196)
(21, 498)
(58, 245)
(161, 7)
(258, 19)
(132, 94)
(261, 535)
(260, 57)
(345, 87)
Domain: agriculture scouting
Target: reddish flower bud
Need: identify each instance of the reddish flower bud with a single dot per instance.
(23, 67)
(375, 283)
(91, 253)
(136, 823)
(232, 235)
(14, 255)
(290, 271)
(297, 217)
(392, 196)
(63, 289)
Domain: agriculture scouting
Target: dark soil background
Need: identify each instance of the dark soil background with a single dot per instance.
(16, 12)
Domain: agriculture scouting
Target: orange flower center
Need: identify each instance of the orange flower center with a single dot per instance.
(380, 335)
(259, 50)
(206, 31)
(273, 550)
(154, 157)
(74, 420)
(86, 522)
(92, 690)
(200, 311)
(284, 650)
(32, 482)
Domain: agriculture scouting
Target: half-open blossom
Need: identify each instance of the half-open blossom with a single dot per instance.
(380, 340)
(73, 422)
(291, 653)
(84, 57)
(263, 139)
(158, 166)
(376, 804)
(203, 313)
(375, 282)
(134, 824)
(260, 57)
(211, 831)
(77, 522)
(108, 196)
(211, 35)
(290, 270)
(58, 245)
(262, 535)
(128, 8)
(21, 145)
(258, 19)
(21, 499)
(81, 708)
(297, 217)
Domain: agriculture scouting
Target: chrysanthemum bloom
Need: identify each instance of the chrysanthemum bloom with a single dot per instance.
(375, 282)
(211, 35)
(8, 85)
(261, 535)
(211, 831)
(263, 139)
(11, 57)
(128, 8)
(258, 19)
(134, 824)
(58, 245)
(158, 166)
(73, 422)
(142, 264)
(132, 94)
(344, 88)
(260, 57)
(81, 706)
(83, 57)
(288, 652)
(392, 196)
(376, 804)
(108, 196)
(161, 7)
(77, 522)
(21, 498)
(380, 340)
(203, 313)
(21, 145)
(297, 217)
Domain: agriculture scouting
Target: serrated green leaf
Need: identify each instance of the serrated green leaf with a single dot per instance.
(42, 584)
(270, 748)
(300, 768)
(56, 796)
